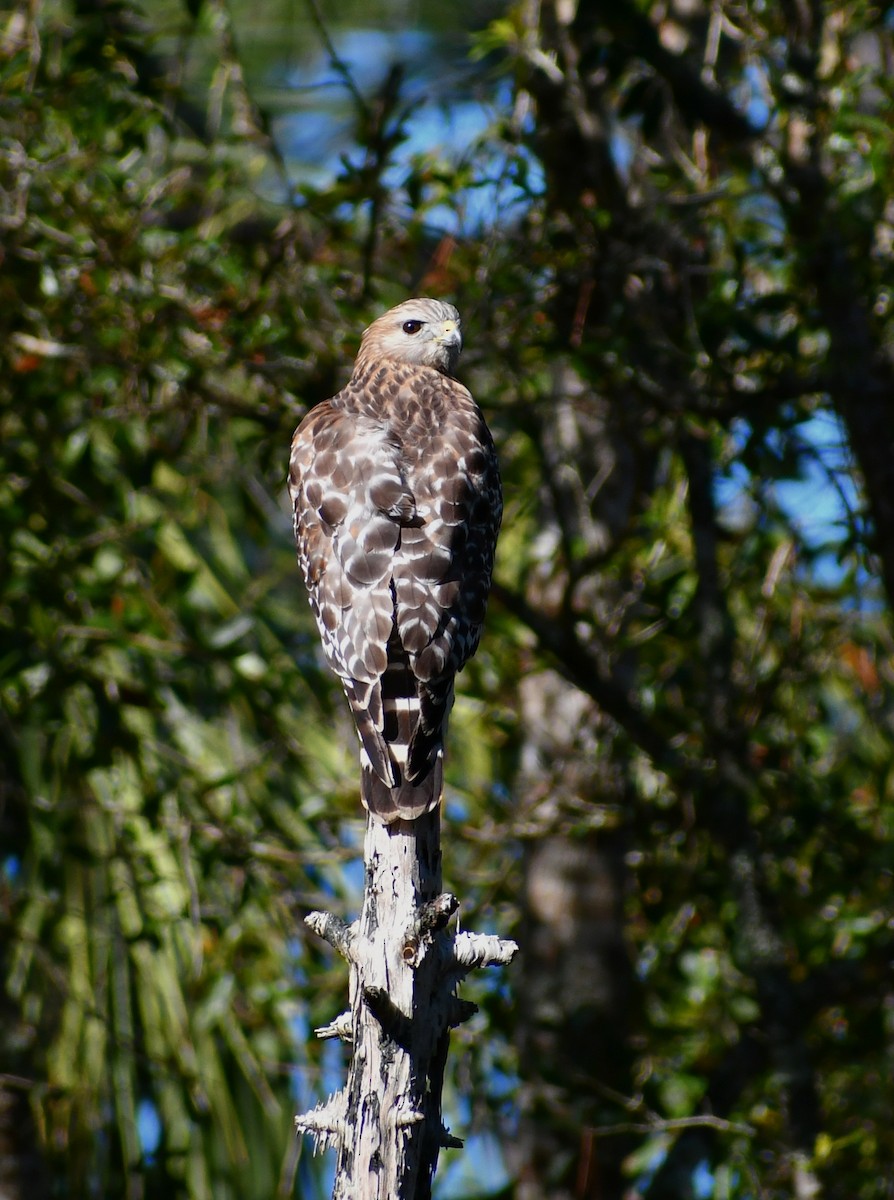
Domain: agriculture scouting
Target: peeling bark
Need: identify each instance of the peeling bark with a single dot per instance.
(405, 967)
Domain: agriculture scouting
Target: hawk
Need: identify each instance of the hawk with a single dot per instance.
(397, 502)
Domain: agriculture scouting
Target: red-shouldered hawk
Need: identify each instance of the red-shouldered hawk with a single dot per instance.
(397, 508)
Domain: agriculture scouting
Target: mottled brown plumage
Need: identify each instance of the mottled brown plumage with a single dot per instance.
(397, 503)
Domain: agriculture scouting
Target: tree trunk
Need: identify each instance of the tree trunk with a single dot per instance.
(405, 967)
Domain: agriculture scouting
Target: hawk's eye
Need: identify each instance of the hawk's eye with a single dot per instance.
(412, 327)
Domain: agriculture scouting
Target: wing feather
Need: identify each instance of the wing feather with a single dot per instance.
(397, 506)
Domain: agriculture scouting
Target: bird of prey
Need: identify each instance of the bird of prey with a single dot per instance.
(397, 501)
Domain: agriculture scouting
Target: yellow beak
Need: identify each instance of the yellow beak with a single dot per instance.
(450, 333)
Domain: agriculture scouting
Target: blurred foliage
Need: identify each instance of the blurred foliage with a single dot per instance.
(670, 767)
(163, 814)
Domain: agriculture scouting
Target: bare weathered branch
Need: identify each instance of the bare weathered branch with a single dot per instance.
(472, 950)
(334, 931)
(340, 1028)
(386, 1123)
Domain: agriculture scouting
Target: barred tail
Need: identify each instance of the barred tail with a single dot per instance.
(413, 727)
(405, 802)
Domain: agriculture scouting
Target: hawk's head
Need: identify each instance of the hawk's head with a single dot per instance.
(420, 331)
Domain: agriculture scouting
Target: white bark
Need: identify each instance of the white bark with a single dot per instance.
(405, 967)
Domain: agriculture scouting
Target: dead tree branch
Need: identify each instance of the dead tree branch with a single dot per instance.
(405, 966)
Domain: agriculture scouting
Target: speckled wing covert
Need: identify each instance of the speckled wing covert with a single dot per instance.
(397, 501)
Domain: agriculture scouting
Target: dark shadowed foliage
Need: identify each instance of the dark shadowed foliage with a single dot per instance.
(670, 768)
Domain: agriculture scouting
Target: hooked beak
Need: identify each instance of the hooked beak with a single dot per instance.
(449, 335)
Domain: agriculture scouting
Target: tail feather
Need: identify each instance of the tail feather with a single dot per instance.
(405, 802)
(427, 739)
(402, 755)
(366, 704)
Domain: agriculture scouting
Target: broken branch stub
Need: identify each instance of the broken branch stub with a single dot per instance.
(405, 965)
